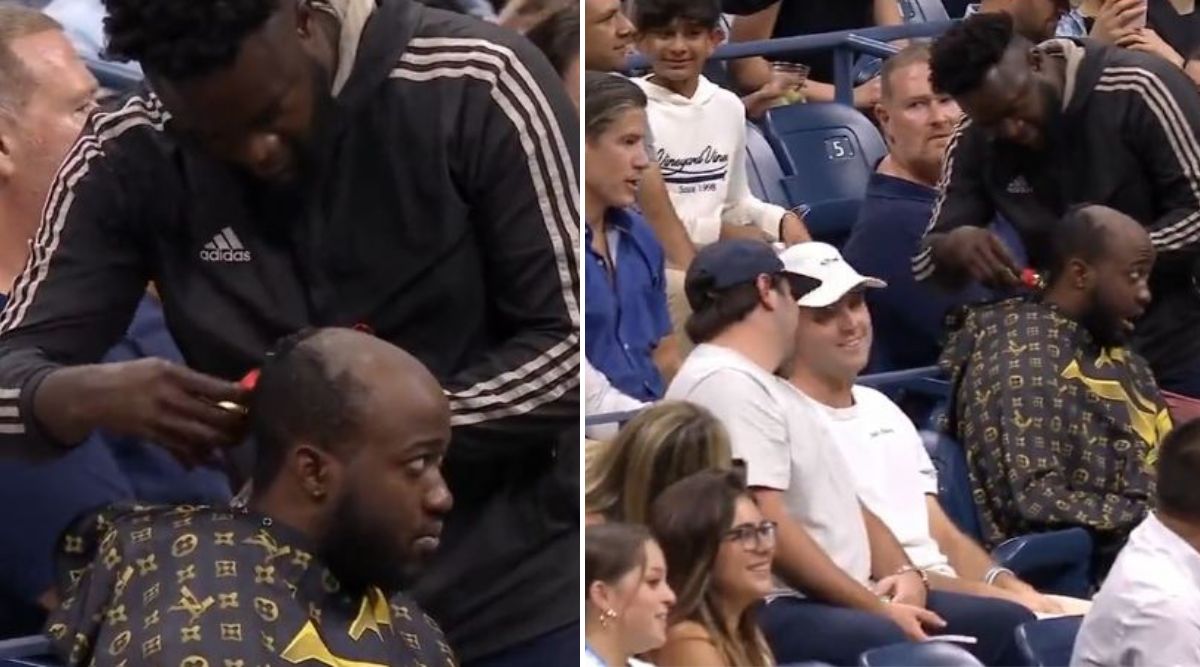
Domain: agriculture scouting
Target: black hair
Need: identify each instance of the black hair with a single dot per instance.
(558, 37)
(605, 97)
(724, 308)
(658, 14)
(1079, 235)
(182, 39)
(296, 399)
(962, 56)
(1178, 467)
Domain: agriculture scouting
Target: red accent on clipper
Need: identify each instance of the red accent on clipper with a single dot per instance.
(249, 381)
(1032, 279)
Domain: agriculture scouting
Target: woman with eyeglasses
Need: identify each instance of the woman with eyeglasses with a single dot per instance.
(627, 598)
(719, 550)
(660, 446)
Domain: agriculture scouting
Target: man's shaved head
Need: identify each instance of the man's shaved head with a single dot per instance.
(315, 387)
(351, 434)
(1100, 267)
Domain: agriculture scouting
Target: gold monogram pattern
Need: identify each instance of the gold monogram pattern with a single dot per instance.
(1058, 431)
(200, 588)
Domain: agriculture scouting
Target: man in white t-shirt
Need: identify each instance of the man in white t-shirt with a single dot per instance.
(829, 546)
(1148, 611)
(892, 472)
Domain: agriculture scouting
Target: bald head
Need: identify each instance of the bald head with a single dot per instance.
(351, 435)
(325, 387)
(1091, 232)
(1100, 267)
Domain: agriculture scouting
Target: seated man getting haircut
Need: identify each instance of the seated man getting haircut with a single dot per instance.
(348, 498)
(1059, 418)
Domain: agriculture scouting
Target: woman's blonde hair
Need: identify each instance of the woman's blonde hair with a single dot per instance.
(663, 444)
(690, 520)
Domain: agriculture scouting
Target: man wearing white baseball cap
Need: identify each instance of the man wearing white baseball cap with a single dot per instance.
(823, 262)
(888, 465)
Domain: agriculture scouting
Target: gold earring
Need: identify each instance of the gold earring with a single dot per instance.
(606, 617)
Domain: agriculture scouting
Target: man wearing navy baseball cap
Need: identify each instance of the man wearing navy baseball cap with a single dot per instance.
(741, 287)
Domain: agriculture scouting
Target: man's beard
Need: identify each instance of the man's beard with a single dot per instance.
(1106, 327)
(361, 555)
(308, 151)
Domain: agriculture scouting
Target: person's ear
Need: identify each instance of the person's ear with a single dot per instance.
(883, 116)
(766, 294)
(602, 596)
(319, 474)
(1080, 274)
(314, 36)
(716, 36)
(8, 143)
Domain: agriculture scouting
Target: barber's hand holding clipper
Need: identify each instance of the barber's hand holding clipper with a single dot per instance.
(190, 414)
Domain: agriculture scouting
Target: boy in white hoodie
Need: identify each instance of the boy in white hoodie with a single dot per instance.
(700, 129)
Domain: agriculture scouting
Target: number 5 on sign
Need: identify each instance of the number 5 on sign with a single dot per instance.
(839, 148)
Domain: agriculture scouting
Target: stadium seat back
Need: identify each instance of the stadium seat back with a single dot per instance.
(954, 483)
(827, 152)
(923, 11)
(928, 654)
(763, 169)
(1049, 642)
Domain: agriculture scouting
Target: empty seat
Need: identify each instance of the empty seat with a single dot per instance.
(828, 152)
(763, 170)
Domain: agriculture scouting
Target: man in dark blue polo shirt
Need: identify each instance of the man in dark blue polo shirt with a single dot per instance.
(909, 316)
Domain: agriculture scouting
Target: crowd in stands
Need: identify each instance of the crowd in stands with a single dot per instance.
(255, 409)
(1032, 232)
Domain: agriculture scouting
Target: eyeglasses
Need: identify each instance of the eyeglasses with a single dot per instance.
(752, 536)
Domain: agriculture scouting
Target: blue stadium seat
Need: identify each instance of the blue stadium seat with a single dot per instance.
(1054, 562)
(1048, 643)
(927, 654)
(954, 483)
(827, 152)
(923, 11)
(762, 168)
(33, 651)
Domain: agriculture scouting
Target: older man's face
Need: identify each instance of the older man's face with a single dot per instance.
(39, 133)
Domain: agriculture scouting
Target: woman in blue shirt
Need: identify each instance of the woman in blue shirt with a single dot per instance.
(627, 322)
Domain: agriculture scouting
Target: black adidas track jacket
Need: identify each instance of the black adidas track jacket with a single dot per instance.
(1129, 138)
(445, 218)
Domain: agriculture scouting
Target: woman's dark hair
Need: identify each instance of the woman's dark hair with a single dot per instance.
(690, 520)
(612, 550)
(605, 97)
(962, 56)
(724, 308)
(558, 37)
(183, 39)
